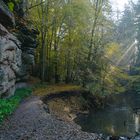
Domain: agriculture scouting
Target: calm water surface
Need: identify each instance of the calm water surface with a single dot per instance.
(120, 117)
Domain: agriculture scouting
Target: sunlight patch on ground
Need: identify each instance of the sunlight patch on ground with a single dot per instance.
(45, 90)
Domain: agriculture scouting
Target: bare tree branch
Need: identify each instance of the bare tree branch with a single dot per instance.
(36, 5)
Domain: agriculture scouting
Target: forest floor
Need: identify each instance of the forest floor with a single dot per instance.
(31, 121)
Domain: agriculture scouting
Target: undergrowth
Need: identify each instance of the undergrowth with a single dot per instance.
(8, 106)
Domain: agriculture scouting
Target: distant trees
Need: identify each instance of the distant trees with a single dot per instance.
(125, 34)
(75, 38)
(128, 37)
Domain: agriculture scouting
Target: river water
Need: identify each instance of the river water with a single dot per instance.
(121, 116)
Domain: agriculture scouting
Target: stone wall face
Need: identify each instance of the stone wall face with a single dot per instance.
(17, 46)
(10, 62)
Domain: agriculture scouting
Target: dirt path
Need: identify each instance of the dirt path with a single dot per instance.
(31, 122)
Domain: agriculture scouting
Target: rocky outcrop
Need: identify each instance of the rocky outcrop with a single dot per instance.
(8, 53)
(17, 45)
(27, 36)
(10, 62)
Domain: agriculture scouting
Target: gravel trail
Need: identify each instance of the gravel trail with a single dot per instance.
(31, 122)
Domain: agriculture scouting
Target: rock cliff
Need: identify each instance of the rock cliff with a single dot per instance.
(17, 46)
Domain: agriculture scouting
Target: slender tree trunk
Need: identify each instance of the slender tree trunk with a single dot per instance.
(44, 29)
(97, 11)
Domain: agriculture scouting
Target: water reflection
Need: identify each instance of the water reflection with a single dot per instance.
(136, 120)
(120, 117)
(112, 130)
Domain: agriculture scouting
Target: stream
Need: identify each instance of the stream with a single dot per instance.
(121, 116)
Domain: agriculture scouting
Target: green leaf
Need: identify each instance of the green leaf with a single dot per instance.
(11, 6)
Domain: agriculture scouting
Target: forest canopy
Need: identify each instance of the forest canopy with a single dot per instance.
(83, 42)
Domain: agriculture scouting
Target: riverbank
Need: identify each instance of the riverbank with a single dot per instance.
(68, 107)
(32, 122)
(50, 115)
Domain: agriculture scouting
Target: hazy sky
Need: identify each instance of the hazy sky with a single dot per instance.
(119, 4)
